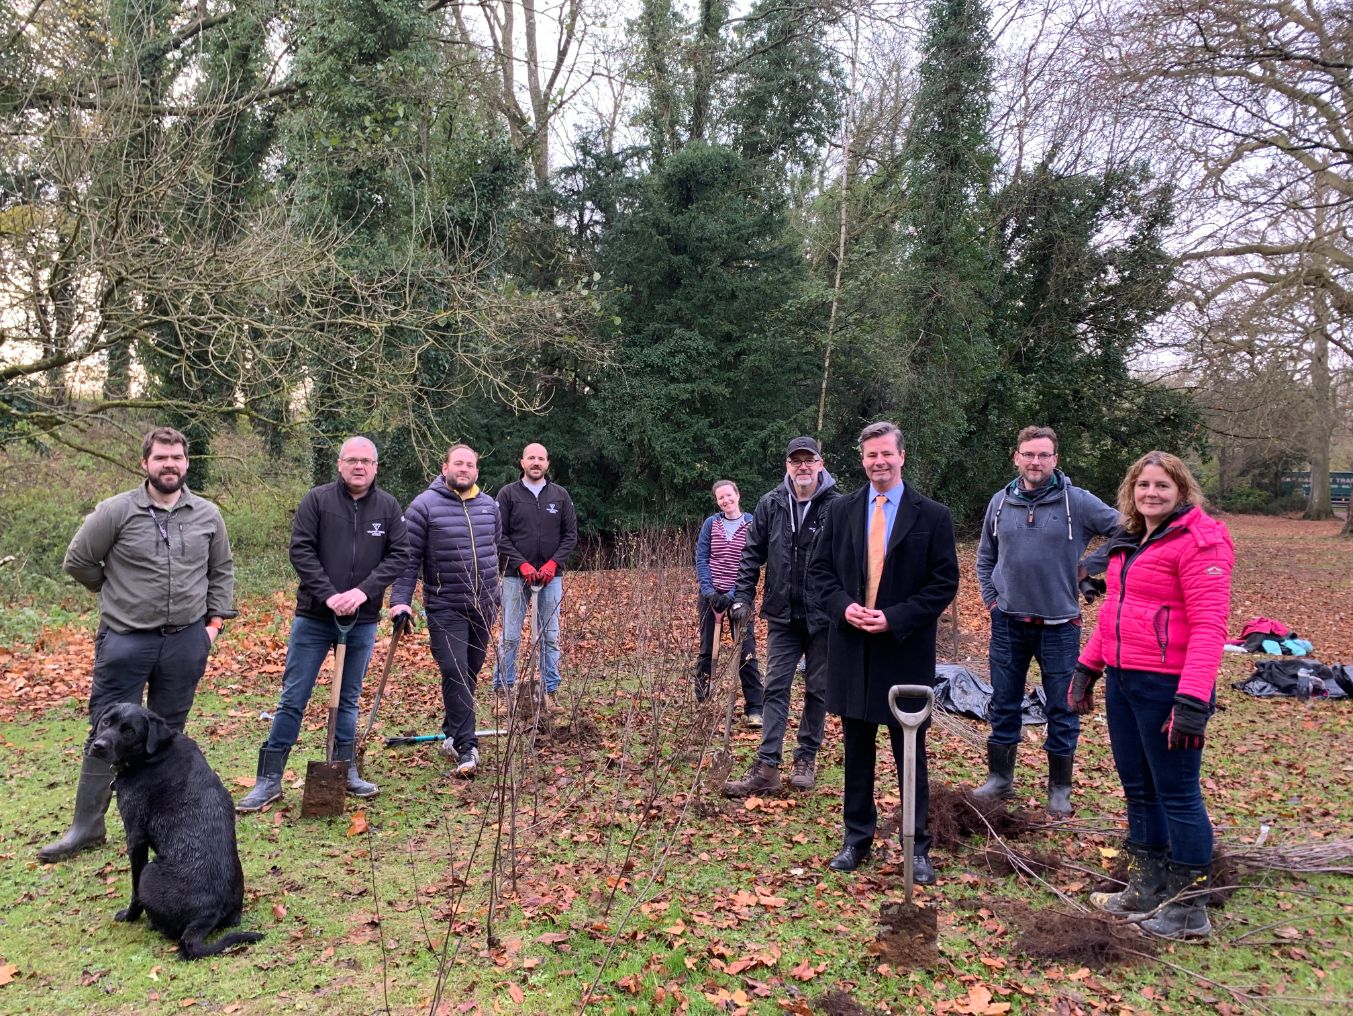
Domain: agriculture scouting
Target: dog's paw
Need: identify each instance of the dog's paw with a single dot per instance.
(127, 914)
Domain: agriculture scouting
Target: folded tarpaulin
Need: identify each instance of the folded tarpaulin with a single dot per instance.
(1298, 679)
(959, 690)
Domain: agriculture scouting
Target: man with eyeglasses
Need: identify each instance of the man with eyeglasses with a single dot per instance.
(784, 527)
(348, 544)
(1033, 538)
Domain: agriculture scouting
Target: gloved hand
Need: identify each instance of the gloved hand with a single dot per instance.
(400, 621)
(1091, 588)
(529, 573)
(545, 573)
(739, 612)
(1080, 697)
(1184, 729)
(720, 602)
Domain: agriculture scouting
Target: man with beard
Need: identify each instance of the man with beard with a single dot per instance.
(454, 531)
(159, 558)
(348, 543)
(540, 530)
(1033, 536)
(784, 527)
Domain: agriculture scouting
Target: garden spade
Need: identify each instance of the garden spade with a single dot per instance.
(910, 934)
(911, 722)
(326, 782)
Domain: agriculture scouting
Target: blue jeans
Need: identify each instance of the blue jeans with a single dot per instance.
(785, 643)
(307, 649)
(166, 667)
(1164, 797)
(1014, 643)
(460, 642)
(516, 603)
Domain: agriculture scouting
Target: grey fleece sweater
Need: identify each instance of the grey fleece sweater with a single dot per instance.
(1031, 544)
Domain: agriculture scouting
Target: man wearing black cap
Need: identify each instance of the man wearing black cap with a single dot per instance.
(784, 526)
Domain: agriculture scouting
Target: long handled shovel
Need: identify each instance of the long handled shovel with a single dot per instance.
(911, 933)
(326, 782)
(911, 722)
(396, 627)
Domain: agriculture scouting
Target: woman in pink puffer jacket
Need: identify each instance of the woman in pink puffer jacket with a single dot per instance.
(1159, 642)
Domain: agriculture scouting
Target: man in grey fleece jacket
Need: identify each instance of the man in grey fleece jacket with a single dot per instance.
(1033, 537)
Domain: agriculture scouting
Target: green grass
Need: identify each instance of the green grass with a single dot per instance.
(654, 905)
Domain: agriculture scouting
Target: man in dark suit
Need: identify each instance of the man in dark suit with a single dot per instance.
(883, 571)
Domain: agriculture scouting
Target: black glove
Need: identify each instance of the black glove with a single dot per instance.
(1080, 697)
(1091, 588)
(720, 602)
(1184, 729)
(398, 622)
(739, 612)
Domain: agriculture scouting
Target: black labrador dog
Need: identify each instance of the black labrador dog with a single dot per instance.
(173, 803)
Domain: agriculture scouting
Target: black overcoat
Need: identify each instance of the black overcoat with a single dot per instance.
(920, 578)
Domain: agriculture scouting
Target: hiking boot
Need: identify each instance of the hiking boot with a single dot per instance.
(92, 795)
(550, 703)
(1059, 784)
(345, 751)
(447, 750)
(1185, 916)
(753, 720)
(1145, 888)
(760, 779)
(804, 774)
(503, 700)
(267, 782)
(469, 764)
(1000, 784)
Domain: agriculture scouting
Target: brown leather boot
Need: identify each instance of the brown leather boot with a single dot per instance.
(760, 779)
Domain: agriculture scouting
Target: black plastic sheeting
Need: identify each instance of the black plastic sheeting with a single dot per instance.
(959, 690)
(1303, 679)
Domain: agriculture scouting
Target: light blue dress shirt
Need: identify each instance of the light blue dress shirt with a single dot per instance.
(894, 497)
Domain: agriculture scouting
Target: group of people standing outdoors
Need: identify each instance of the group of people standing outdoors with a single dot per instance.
(854, 586)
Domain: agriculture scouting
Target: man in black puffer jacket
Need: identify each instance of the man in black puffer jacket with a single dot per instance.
(454, 532)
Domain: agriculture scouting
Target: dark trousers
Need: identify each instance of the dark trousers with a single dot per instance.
(167, 668)
(1014, 644)
(1162, 788)
(459, 643)
(749, 670)
(785, 643)
(861, 814)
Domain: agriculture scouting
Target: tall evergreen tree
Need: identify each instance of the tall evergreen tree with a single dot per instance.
(944, 289)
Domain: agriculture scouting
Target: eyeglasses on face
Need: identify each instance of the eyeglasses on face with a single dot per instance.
(1038, 456)
(349, 461)
(804, 460)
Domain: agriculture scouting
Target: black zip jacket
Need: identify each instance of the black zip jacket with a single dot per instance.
(536, 529)
(781, 541)
(339, 544)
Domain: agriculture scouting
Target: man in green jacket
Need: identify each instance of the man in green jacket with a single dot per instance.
(159, 559)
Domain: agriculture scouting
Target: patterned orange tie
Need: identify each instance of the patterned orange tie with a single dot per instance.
(878, 546)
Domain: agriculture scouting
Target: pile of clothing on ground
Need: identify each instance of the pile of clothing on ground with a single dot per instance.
(1304, 679)
(1265, 635)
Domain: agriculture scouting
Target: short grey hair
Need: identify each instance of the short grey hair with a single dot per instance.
(358, 439)
(881, 429)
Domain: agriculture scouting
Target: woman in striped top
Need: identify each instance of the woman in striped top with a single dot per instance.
(716, 567)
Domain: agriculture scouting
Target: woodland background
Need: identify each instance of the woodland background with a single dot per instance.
(665, 237)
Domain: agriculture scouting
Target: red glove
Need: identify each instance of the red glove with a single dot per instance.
(546, 571)
(528, 572)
